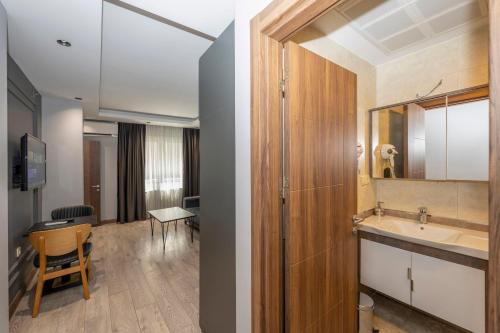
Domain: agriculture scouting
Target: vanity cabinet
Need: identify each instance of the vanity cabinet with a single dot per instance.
(378, 262)
(453, 292)
(450, 291)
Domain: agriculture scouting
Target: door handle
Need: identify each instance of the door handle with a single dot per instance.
(96, 186)
(355, 221)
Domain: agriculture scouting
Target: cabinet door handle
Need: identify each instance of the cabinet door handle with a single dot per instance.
(412, 286)
(408, 273)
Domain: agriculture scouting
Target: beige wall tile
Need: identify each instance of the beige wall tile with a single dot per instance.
(473, 202)
(407, 195)
(461, 62)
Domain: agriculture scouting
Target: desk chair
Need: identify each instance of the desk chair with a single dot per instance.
(72, 211)
(61, 247)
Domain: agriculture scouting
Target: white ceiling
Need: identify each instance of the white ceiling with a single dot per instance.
(382, 30)
(208, 16)
(34, 27)
(147, 66)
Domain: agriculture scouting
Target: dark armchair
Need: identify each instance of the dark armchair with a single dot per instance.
(192, 204)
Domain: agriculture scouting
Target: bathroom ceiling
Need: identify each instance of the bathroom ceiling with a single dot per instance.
(382, 30)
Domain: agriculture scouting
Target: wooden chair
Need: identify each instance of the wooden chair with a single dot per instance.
(59, 248)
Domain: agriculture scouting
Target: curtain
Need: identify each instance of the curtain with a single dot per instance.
(163, 167)
(131, 198)
(191, 142)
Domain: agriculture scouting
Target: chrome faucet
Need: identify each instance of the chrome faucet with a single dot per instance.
(422, 214)
(378, 210)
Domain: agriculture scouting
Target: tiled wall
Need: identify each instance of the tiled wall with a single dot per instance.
(460, 62)
(460, 200)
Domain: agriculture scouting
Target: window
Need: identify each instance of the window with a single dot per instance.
(164, 167)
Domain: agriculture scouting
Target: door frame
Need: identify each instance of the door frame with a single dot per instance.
(269, 29)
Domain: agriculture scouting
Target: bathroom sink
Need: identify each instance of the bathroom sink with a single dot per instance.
(469, 242)
(423, 231)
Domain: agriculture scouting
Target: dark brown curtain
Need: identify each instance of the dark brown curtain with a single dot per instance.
(191, 176)
(131, 165)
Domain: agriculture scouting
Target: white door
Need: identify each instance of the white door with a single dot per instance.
(450, 291)
(385, 268)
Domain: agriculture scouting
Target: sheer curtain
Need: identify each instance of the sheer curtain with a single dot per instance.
(164, 167)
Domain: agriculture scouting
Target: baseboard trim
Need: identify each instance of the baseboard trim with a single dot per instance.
(103, 222)
(20, 293)
(26, 255)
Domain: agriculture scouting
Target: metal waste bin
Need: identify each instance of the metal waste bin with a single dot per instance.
(365, 309)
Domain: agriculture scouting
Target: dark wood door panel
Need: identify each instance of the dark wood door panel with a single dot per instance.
(321, 165)
(316, 287)
(315, 222)
(349, 204)
(315, 120)
(315, 155)
(92, 175)
(333, 322)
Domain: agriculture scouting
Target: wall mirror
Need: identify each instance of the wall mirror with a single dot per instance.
(444, 137)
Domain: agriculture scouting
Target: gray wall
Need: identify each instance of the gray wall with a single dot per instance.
(23, 117)
(62, 131)
(217, 187)
(4, 289)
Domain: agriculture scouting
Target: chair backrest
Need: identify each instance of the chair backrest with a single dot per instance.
(60, 241)
(72, 211)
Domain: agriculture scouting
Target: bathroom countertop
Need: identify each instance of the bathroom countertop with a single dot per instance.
(459, 240)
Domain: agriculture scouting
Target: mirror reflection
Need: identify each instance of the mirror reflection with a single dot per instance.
(439, 138)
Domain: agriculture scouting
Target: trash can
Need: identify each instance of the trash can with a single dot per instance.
(365, 309)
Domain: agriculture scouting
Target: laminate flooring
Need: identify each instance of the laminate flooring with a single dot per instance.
(136, 286)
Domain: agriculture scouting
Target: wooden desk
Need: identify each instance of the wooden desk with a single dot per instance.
(42, 226)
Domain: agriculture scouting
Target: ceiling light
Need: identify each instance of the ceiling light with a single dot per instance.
(63, 42)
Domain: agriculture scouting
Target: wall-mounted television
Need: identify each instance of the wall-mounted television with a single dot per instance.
(32, 162)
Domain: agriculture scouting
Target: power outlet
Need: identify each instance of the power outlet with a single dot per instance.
(18, 252)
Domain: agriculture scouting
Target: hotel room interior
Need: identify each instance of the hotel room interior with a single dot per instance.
(259, 166)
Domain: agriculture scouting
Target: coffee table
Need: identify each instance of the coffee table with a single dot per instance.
(167, 215)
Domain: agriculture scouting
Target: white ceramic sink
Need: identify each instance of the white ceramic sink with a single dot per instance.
(469, 242)
(422, 231)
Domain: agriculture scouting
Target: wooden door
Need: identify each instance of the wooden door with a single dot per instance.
(321, 260)
(92, 175)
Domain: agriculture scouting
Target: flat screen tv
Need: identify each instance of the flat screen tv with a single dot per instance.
(32, 162)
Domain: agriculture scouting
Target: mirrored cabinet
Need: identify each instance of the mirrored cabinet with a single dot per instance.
(445, 137)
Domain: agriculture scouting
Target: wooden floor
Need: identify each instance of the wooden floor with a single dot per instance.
(136, 287)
